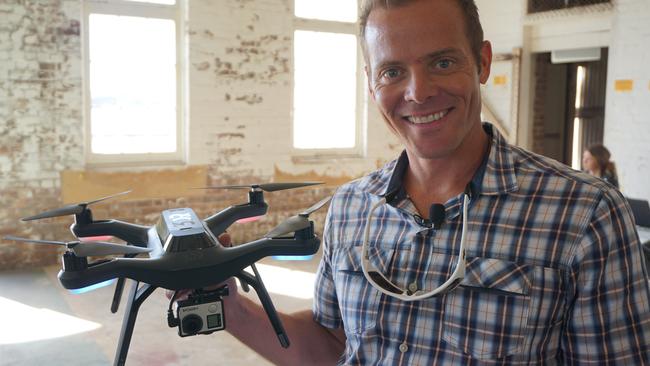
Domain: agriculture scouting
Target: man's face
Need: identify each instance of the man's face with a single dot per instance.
(423, 76)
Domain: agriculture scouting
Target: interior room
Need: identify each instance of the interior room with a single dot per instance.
(134, 107)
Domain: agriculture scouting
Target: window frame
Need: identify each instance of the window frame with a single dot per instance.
(534, 8)
(361, 103)
(145, 10)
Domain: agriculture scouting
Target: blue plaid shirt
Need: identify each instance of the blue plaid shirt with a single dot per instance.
(554, 271)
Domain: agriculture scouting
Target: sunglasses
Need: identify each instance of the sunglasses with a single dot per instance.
(383, 284)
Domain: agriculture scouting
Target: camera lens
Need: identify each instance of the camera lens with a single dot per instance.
(191, 324)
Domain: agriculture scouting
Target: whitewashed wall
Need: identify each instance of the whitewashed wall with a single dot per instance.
(625, 29)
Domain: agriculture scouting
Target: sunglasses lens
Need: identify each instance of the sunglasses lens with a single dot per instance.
(453, 285)
(383, 283)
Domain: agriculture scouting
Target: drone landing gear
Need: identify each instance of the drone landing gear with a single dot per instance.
(137, 296)
(267, 304)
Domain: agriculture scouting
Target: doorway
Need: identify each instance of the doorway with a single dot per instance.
(569, 107)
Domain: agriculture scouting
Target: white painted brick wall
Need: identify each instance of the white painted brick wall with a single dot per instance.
(241, 84)
(626, 31)
(240, 116)
(627, 114)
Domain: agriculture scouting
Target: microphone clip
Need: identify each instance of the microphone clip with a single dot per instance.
(436, 218)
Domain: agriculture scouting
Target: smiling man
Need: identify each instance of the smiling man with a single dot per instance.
(465, 250)
(531, 264)
(424, 75)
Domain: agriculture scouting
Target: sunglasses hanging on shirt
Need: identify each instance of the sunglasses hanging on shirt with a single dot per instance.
(383, 284)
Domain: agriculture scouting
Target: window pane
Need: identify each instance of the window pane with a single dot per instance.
(132, 84)
(337, 10)
(325, 85)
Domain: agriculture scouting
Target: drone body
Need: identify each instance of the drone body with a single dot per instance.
(184, 253)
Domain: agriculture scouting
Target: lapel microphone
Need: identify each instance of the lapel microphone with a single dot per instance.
(436, 218)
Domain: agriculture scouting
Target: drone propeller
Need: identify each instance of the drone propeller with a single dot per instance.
(267, 187)
(88, 248)
(297, 222)
(73, 209)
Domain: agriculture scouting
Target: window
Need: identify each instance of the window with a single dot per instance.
(329, 86)
(131, 84)
(535, 6)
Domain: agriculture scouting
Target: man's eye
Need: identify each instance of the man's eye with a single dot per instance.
(444, 64)
(391, 73)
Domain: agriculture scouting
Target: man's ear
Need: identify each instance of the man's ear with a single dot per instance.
(370, 90)
(486, 61)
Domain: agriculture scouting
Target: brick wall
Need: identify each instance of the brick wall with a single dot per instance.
(239, 120)
(40, 110)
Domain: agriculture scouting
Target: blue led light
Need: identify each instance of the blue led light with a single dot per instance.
(92, 287)
(293, 257)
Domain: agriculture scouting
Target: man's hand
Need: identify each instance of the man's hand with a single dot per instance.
(226, 241)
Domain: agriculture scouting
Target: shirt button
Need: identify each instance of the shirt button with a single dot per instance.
(413, 287)
(403, 347)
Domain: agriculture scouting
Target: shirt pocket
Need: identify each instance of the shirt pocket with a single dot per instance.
(487, 315)
(358, 300)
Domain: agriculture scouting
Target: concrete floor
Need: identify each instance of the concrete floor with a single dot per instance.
(32, 300)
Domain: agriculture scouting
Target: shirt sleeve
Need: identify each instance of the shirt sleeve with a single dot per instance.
(326, 307)
(609, 316)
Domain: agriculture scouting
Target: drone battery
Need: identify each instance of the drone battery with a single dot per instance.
(180, 230)
(200, 314)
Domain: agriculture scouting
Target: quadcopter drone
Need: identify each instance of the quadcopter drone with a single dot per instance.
(184, 253)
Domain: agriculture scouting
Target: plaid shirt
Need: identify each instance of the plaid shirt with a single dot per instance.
(554, 271)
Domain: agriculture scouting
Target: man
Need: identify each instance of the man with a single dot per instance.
(553, 271)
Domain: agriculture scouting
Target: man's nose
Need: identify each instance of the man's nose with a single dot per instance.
(420, 87)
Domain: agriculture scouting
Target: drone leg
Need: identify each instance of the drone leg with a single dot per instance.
(136, 298)
(119, 288)
(117, 296)
(265, 299)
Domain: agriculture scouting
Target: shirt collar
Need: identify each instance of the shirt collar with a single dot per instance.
(495, 175)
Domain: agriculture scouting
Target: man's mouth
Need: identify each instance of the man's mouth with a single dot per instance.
(418, 120)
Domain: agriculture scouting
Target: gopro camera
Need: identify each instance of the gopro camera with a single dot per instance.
(201, 313)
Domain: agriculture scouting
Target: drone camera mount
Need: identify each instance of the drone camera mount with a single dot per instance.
(201, 313)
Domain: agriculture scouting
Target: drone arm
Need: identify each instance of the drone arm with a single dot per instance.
(267, 304)
(131, 233)
(219, 222)
(304, 242)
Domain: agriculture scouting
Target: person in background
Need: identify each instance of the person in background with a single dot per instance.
(596, 161)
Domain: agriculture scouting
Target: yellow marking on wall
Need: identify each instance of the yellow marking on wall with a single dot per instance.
(623, 85)
(500, 80)
(80, 186)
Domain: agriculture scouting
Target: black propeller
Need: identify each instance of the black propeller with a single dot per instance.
(267, 187)
(297, 222)
(72, 209)
(88, 248)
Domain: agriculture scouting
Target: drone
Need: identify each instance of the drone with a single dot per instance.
(183, 253)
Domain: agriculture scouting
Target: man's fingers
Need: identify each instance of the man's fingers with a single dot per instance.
(181, 295)
(225, 240)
